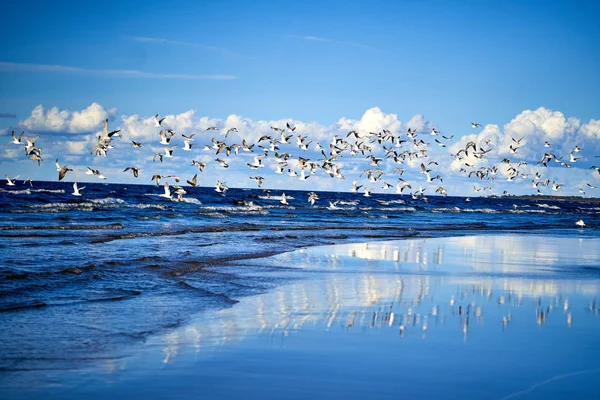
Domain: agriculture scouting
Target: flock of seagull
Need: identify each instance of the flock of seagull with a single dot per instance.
(377, 148)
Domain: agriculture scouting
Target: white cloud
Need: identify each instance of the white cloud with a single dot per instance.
(65, 121)
(592, 129)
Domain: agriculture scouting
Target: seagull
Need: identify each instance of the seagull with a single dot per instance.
(580, 223)
(165, 136)
(167, 192)
(246, 147)
(99, 174)
(220, 187)
(136, 145)
(158, 122)
(283, 199)
(475, 125)
(367, 192)
(230, 130)
(187, 145)
(169, 151)
(577, 149)
(17, 139)
(556, 186)
(259, 180)
(9, 182)
(573, 159)
(199, 164)
(159, 156)
(57, 165)
(179, 191)
(547, 144)
(212, 128)
(193, 181)
(223, 163)
(36, 157)
(135, 171)
(108, 135)
(76, 190)
(157, 178)
(290, 127)
(440, 143)
(312, 198)
(63, 171)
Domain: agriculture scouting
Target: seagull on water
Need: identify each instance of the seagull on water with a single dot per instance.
(77, 190)
(580, 223)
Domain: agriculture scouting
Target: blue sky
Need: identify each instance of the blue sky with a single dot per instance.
(311, 61)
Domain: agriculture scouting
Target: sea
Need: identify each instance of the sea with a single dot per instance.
(89, 279)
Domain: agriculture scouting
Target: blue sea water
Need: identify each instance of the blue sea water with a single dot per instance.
(89, 278)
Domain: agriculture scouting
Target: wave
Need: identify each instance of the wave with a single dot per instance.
(349, 202)
(189, 200)
(60, 227)
(387, 203)
(29, 191)
(543, 205)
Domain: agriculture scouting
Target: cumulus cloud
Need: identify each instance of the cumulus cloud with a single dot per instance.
(534, 126)
(65, 121)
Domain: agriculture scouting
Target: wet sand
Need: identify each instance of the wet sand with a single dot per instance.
(486, 317)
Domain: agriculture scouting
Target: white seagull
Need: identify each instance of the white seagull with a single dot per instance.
(9, 182)
(77, 190)
(158, 122)
(580, 223)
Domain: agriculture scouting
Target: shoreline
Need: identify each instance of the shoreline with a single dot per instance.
(310, 268)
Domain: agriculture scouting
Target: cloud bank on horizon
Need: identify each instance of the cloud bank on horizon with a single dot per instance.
(71, 135)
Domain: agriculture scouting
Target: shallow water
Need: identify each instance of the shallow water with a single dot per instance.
(482, 316)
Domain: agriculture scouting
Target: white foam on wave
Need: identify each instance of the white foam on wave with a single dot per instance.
(150, 206)
(278, 198)
(189, 200)
(543, 205)
(29, 191)
(387, 203)
(409, 209)
(480, 210)
(349, 202)
(251, 209)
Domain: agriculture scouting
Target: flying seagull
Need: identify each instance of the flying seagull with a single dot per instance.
(76, 190)
(135, 171)
(158, 122)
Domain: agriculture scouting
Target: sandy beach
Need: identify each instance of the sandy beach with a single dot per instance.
(487, 316)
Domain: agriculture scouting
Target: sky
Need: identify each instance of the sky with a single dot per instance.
(524, 68)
